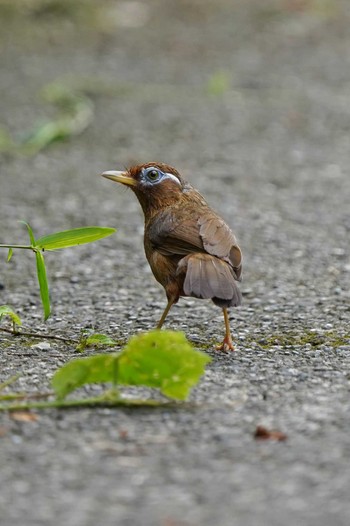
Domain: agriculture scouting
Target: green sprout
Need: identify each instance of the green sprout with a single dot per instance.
(56, 241)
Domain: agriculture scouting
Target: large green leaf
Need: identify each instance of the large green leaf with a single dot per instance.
(43, 284)
(159, 359)
(100, 368)
(70, 238)
(164, 360)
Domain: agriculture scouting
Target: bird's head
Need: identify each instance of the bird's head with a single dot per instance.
(156, 185)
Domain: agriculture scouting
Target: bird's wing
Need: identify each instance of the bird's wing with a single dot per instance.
(203, 232)
(219, 240)
(173, 235)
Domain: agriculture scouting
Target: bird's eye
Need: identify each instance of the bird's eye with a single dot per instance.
(153, 175)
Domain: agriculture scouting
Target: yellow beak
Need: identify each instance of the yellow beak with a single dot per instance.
(120, 177)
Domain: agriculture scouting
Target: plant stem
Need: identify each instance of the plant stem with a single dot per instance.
(10, 381)
(87, 402)
(26, 247)
(39, 335)
(24, 396)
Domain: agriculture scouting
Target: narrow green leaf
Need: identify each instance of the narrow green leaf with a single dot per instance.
(8, 382)
(5, 310)
(43, 284)
(95, 369)
(30, 232)
(164, 360)
(100, 339)
(9, 255)
(70, 238)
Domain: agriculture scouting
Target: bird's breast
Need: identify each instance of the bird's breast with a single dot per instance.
(163, 267)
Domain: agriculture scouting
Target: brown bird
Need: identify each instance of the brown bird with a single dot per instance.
(190, 249)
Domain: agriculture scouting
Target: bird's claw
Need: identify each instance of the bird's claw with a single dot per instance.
(226, 345)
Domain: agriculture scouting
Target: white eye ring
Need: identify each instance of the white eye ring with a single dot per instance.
(173, 177)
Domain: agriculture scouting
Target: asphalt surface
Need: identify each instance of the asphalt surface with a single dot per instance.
(251, 102)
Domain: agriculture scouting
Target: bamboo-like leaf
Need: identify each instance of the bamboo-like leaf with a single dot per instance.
(43, 284)
(5, 310)
(9, 255)
(30, 232)
(71, 238)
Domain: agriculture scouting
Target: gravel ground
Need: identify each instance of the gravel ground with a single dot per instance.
(250, 101)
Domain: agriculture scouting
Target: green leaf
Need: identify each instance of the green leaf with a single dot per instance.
(9, 255)
(70, 238)
(100, 339)
(164, 360)
(159, 359)
(100, 368)
(81, 346)
(42, 134)
(75, 113)
(5, 310)
(30, 232)
(43, 284)
(219, 83)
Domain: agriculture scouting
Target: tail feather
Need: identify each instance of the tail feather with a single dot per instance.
(209, 277)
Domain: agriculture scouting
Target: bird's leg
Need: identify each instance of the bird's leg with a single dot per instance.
(227, 344)
(171, 301)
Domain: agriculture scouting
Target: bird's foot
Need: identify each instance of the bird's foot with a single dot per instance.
(226, 345)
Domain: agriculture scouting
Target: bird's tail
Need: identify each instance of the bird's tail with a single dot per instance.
(209, 277)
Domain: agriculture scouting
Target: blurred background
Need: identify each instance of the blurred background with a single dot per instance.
(250, 101)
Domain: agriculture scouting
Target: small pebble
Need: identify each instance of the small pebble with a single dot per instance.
(42, 346)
